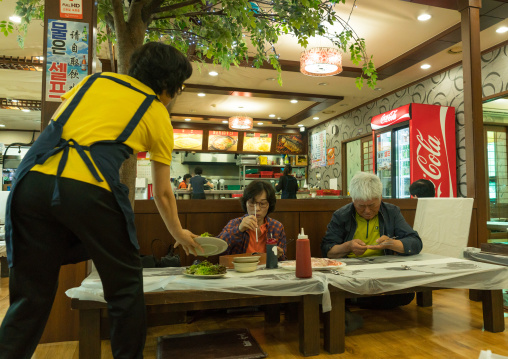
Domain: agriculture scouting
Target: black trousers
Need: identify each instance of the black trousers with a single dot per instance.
(44, 237)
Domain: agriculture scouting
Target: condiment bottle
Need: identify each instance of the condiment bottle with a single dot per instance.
(271, 253)
(303, 262)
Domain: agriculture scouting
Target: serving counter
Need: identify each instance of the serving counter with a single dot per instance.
(227, 194)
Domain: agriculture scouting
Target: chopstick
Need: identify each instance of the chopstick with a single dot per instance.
(256, 222)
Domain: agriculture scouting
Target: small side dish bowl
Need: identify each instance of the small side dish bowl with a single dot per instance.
(245, 267)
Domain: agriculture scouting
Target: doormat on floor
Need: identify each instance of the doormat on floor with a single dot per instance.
(211, 344)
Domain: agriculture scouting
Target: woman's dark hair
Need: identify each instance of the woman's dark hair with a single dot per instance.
(422, 188)
(186, 176)
(160, 67)
(287, 170)
(198, 170)
(255, 188)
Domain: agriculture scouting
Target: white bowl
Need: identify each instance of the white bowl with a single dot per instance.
(245, 267)
(248, 259)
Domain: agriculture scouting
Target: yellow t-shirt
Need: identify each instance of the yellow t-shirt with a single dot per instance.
(368, 232)
(103, 113)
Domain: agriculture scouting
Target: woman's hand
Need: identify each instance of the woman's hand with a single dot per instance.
(249, 222)
(280, 252)
(185, 238)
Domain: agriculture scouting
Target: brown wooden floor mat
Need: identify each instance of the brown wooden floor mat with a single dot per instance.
(213, 344)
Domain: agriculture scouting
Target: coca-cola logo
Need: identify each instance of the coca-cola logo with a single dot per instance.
(387, 117)
(429, 162)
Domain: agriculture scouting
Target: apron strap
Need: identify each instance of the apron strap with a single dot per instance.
(136, 118)
(124, 83)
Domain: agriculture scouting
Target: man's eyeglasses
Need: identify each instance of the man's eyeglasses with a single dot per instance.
(262, 204)
(180, 90)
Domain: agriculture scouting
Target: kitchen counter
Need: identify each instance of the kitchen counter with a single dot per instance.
(210, 194)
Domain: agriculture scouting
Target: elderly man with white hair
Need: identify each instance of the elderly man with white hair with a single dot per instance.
(369, 227)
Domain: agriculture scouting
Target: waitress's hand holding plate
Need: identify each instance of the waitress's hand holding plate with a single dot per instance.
(186, 239)
(211, 246)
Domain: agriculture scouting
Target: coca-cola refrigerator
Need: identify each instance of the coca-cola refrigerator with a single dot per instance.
(412, 142)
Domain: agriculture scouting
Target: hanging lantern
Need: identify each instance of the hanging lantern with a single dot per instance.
(240, 123)
(321, 61)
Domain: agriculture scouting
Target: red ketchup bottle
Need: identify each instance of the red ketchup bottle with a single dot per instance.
(303, 262)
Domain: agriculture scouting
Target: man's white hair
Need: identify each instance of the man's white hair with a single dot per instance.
(365, 187)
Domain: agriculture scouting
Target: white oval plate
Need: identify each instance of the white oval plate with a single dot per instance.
(291, 265)
(211, 246)
(211, 276)
(248, 259)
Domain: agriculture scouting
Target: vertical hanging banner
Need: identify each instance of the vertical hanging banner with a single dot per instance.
(71, 9)
(67, 54)
(318, 149)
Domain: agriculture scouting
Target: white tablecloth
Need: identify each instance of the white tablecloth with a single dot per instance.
(3, 251)
(363, 276)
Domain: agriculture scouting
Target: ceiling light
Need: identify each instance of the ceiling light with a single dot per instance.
(378, 89)
(15, 19)
(188, 119)
(502, 30)
(240, 123)
(323, 84)
(260, 123)
(321, 61)
(225, 121)
(455, 50)
(271, 79)
(329, 112)
(25, 110)
(424, 17)
(213, 73)
(2, 125)
(201, 94)
(315, 118)
(271, 115)
(300, 125)
(294, 101)
(425, 66)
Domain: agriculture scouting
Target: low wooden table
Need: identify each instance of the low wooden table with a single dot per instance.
(334, 321)
(186, 300)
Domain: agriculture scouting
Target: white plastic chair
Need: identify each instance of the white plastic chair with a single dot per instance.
(443, 225)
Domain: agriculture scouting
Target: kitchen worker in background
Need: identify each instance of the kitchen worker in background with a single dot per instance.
(287, 183)
(422, 188)
(185, 182)
(67, 203)
(370, 227)
(198, 183)
(258, 201)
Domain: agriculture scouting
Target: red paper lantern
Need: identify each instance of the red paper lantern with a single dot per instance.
(240, 123)
(321, 61)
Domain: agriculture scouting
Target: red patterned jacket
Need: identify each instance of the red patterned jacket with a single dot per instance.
(239, 241)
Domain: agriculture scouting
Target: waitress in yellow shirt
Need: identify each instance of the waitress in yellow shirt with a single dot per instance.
(67, 203)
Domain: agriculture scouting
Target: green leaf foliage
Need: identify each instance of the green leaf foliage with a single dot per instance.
(227, 32)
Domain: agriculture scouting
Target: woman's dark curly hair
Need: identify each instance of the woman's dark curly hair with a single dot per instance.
(255, 188)
(160, 67)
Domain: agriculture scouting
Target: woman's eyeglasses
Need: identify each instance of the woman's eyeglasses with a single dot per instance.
(262, 204)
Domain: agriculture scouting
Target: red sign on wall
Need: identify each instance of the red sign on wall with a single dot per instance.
(71, 9)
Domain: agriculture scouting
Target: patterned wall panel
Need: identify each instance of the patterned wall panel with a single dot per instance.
(445, 89)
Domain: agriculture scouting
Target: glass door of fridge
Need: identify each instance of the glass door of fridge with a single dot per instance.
(402, 177)
(384, 161)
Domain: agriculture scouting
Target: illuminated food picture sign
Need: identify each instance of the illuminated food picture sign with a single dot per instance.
(188, 139)
(257, 142)
(289, 144)
(222, 141)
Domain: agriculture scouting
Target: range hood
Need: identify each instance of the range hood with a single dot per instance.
(208, 158)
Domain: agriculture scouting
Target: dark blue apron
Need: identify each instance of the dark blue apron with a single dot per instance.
(287, 194)
(108, 156)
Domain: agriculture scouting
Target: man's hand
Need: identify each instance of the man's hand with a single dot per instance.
(249, 222)
(358, 247)
(185, 238)
(385, 242)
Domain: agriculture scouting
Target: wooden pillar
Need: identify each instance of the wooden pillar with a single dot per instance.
(63, 324)
(473, 114)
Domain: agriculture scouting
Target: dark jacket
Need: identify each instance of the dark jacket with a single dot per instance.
(289, 186)
(343, 225)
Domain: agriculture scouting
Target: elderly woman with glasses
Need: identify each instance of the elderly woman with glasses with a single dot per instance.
(249, 233)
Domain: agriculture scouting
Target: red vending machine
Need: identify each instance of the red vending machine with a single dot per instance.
(412, 142)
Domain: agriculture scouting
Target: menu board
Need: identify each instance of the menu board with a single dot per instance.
(257, 142)
(188, 139)
(222, 140)
(318, 149)
(289, 144)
